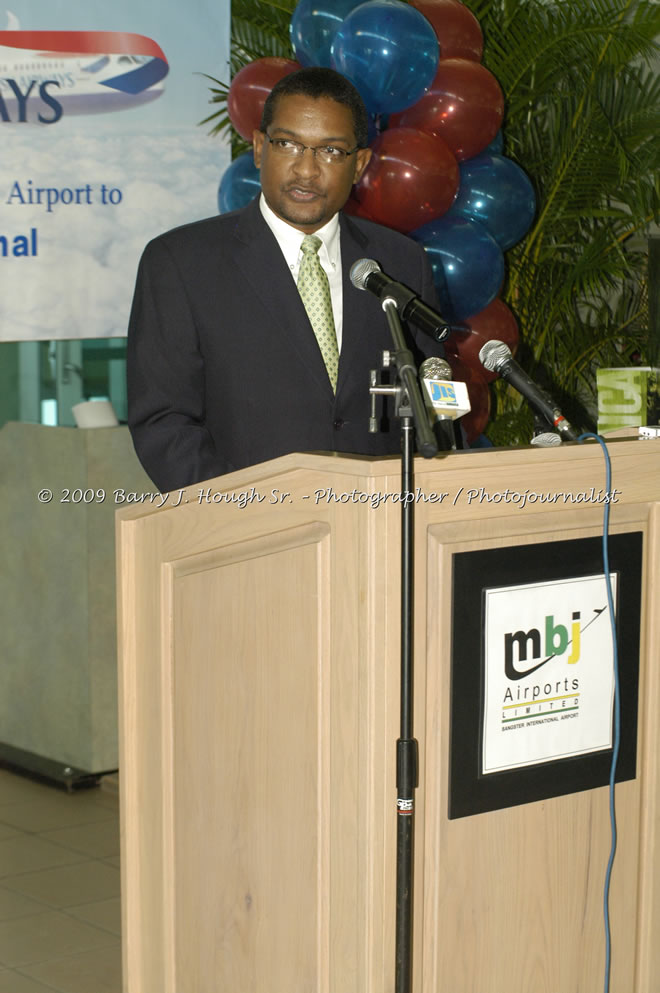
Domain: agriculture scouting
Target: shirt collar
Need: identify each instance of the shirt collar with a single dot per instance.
(290, 239)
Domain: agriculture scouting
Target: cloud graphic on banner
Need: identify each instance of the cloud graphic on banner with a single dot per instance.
(88, 252)
(79, 200)
(46, 74)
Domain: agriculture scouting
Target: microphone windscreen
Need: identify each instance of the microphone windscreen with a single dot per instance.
(361, 270)
(546, 439)
(493, 354)
(435, 368)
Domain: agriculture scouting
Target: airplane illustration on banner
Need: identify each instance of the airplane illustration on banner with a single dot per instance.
(47, 74)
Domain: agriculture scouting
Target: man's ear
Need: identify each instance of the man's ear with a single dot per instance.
(362, 157)
(257, 147)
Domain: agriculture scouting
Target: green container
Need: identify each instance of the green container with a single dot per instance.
(628, 397)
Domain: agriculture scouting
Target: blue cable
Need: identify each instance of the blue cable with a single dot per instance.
(617, 707)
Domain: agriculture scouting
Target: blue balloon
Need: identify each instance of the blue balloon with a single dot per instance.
(239, 184)
(497, 144)
(375, 127)
(389, 51)
(314, 26)
(467, 263)
(497, 193)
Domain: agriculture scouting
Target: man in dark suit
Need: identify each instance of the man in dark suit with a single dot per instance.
(224, 369)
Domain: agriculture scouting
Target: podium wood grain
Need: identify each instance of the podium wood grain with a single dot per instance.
(259, 687)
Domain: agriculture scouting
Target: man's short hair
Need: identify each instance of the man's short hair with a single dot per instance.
(317, 82)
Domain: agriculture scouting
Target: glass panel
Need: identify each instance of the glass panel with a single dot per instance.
(40, 381)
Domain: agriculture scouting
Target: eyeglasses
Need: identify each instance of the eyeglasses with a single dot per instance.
(328, 154)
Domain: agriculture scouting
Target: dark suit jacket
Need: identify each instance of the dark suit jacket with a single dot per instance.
(224, 370)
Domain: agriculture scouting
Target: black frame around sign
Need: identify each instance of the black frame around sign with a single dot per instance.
(470, 792)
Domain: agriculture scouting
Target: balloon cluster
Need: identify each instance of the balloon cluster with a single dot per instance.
(436, 173)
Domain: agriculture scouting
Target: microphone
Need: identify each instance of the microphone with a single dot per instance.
(542, 438)
(546, 439)
(368, 275)
(435, 368)
(497, 357)
(446, 399)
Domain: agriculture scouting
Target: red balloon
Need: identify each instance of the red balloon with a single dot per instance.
(475, 421)
(355, 209)
(464, 105)
(249, 89)
(412, 178)
(493, 322)
(456, 27)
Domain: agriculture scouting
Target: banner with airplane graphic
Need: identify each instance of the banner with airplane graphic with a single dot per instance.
(101, 151)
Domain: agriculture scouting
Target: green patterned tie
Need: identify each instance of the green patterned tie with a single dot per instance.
(314, 289)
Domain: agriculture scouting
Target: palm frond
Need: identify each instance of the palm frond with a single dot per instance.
(583, 116)
(259, 28)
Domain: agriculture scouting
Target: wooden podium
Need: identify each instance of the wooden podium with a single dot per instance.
(259, 698)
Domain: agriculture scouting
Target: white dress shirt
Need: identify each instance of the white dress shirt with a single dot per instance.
(290, 239)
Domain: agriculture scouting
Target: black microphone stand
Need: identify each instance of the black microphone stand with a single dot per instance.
(410, 409)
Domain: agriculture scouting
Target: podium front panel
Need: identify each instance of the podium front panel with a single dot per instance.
(259, 680)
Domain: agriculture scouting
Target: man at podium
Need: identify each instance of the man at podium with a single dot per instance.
(247, 339)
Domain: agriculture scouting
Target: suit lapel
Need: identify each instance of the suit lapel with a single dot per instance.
(265, 270)
(359, 316)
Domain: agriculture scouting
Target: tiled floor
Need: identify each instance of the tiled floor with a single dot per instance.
(59, 889)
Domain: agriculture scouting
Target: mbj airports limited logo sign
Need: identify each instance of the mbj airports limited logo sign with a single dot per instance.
(46, 75)
(549, 677)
